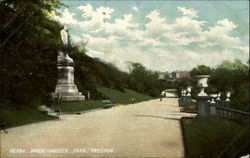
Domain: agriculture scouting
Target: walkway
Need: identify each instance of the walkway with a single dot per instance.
(146, 129)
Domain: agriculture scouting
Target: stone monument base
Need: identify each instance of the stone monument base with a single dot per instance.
(69, 96)
(68, 92)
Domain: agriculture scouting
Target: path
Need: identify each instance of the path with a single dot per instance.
(146, 129)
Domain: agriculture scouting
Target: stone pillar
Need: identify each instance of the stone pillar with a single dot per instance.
(203, 106)
(88, 95)
(213, 106)
(188, 97)
(217, 100)
(227, 101)
(184, 95)
(202, 98)
(65, 87)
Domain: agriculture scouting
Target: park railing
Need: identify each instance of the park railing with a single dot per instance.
(232, 114)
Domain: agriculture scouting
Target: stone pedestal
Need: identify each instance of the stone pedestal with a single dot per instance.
(188, 99)
(212, 110)
(203, 107)
(202, 98)
(66, 90)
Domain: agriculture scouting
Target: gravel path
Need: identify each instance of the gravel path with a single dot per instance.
(145, 129)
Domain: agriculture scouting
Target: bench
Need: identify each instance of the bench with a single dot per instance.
(107, 106)
(106, 101)
(78, 113)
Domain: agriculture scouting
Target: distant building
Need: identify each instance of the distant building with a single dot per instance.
(180, 74)
(161, 77)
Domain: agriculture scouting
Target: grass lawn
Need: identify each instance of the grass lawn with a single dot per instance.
(13, 117)
(73, 106)
(119, 97)
(115, 96)
(207, 138)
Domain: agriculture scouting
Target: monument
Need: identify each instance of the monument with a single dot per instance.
(66, 90)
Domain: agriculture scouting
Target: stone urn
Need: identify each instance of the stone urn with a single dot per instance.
(213, 97)
(184, 92)
(202, 83)
(189, 90)
(228, 96)
(218, 96)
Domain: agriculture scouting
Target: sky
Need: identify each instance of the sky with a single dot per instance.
(161, 35)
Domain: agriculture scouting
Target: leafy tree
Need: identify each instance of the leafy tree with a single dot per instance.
(233, 77)
(201, 70)
(143, 80)
(228, 76)
(28, 51)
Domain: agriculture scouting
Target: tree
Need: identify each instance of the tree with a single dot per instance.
(233, 77)
(228, 76)
(29, 41)
(201, 70)
(143, 80)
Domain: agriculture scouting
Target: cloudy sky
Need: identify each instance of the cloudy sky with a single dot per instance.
(162, 35)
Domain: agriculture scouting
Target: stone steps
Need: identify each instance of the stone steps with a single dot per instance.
(48, 110)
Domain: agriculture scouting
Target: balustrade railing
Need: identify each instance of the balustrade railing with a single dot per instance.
(232, 114)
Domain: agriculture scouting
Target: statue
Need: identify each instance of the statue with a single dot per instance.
(66, 90)
(64, 36)
(63, 56)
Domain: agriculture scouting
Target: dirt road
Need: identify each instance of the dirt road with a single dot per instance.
(146, 129)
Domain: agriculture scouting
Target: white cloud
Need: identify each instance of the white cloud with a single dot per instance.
(188, 12)
(135, 8)
(100, 13)
(155, 18)
(87, 10)
(66, 18)
(121, 26)
(100, 44)
(104, 12)
(75, 39)
(158, 44)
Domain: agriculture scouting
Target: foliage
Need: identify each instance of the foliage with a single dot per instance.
(29, 43)
(125, 97)
(227, 77)
(201, 70)
(13, 117)
(91, 71)
(144, 81)
(233, 77)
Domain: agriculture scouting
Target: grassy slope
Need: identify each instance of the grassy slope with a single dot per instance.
(206, 138)
(14, 117)
(123, 97)
(115, 96)
(21, 117)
